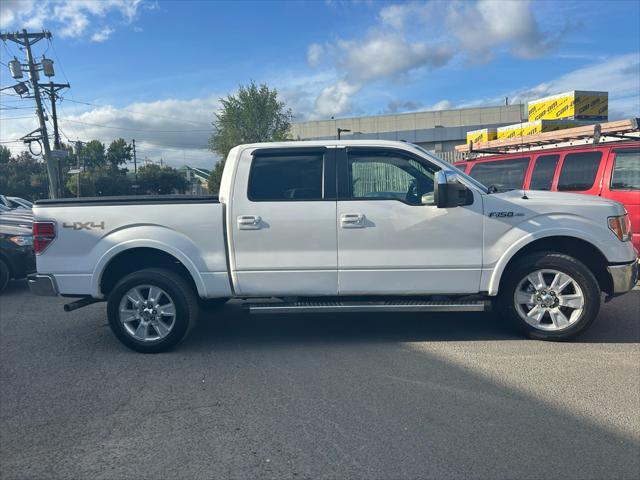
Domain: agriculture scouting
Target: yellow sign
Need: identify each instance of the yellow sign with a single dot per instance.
(576, 105)
(483, 135)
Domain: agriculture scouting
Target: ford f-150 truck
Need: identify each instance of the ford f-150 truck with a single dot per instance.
(336, 226)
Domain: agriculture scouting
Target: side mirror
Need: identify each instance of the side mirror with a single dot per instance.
(449, 192)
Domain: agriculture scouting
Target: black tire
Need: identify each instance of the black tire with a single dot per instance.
(5, 275)
(566, 264)
(180, 292)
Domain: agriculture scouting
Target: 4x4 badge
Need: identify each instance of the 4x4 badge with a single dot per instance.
(84, 225)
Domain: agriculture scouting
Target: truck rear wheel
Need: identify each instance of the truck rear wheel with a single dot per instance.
(550, 296)
(152, 310)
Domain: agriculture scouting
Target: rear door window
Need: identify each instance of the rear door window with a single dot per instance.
(501, 174)
(292, 177)
(626, 171)
(579, 171)
(543, 171)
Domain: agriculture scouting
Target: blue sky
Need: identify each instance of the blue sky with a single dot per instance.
(154, 70)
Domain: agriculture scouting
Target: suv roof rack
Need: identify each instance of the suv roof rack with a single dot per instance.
(594, 134)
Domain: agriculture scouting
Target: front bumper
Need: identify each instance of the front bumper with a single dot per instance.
(44, 285)
(623, 277)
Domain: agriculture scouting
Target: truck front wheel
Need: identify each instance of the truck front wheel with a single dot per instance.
(151, 310)
(550, 296)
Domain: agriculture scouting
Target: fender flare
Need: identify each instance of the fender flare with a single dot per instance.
(512, 251)
(110, 254)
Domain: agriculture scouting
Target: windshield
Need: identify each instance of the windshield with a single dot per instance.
(471, 180)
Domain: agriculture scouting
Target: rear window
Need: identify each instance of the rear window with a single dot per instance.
(579, 171)
(286, 177)
(543, 171)
(501, 174)
(626, 171)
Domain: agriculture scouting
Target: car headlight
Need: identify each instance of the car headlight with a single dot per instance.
(621, 227)
(21, 240)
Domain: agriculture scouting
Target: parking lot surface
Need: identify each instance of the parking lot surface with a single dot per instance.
(317, 396)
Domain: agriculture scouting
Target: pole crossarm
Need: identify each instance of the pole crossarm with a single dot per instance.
(25, 39)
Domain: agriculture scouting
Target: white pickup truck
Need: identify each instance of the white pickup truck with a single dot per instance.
(336, 226)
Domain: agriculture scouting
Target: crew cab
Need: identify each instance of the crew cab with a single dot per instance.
(336, 226)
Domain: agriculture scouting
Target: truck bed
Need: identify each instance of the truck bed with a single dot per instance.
(91, 232)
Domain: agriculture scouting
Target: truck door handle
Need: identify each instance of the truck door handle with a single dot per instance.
(249, 222)
(352, 220)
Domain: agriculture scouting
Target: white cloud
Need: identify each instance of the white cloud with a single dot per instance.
(420, 35)
(102, 34)
(486, 25)
(335, 99)
(388, 55)
(71, 18)
(619, 75)
(175, 130)
(314, 54)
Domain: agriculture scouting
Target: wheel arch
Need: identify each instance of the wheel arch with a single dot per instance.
(582, 250)
(132, 256)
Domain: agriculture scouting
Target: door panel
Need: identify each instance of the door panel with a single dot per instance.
(401, 246)
(284, 226)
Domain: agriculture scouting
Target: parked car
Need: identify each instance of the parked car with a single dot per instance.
(17, 258)
(336, 226)
(16, 216)
(609, 170)
(15, 202)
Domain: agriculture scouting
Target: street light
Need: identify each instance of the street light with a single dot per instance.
(340, 130)
(21, 88)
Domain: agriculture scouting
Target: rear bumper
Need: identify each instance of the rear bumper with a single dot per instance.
(43, 285)
(623, 277)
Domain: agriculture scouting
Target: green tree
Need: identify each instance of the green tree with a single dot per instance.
(23, 176)
(87, 185)
(93, 155)
(154, 179)
(254, 114)
(118, 153)
(5, 154)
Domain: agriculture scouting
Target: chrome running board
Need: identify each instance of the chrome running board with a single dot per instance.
(321, 306)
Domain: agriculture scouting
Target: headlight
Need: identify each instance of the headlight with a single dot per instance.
(621, 227)
(21, 240)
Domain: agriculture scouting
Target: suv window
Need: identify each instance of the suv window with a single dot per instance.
(579, 171)
(388, 176)
(501, 174)
(626, 171)
(543, 171)
(286, 177)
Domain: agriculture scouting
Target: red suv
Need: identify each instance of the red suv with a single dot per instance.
(610, 170)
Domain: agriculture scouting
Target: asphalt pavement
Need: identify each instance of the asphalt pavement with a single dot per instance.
(386, 396)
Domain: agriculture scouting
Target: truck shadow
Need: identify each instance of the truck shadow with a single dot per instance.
(617, 323)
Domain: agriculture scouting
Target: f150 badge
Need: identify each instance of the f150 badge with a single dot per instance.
(505, 214)
(84, 225)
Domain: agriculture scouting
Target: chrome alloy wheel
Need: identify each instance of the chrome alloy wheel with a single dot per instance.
(147, 313)
(549, 300)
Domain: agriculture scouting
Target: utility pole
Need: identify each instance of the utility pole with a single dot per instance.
(78, 147)
(52, 90)
(27, 40)
(135, 161)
